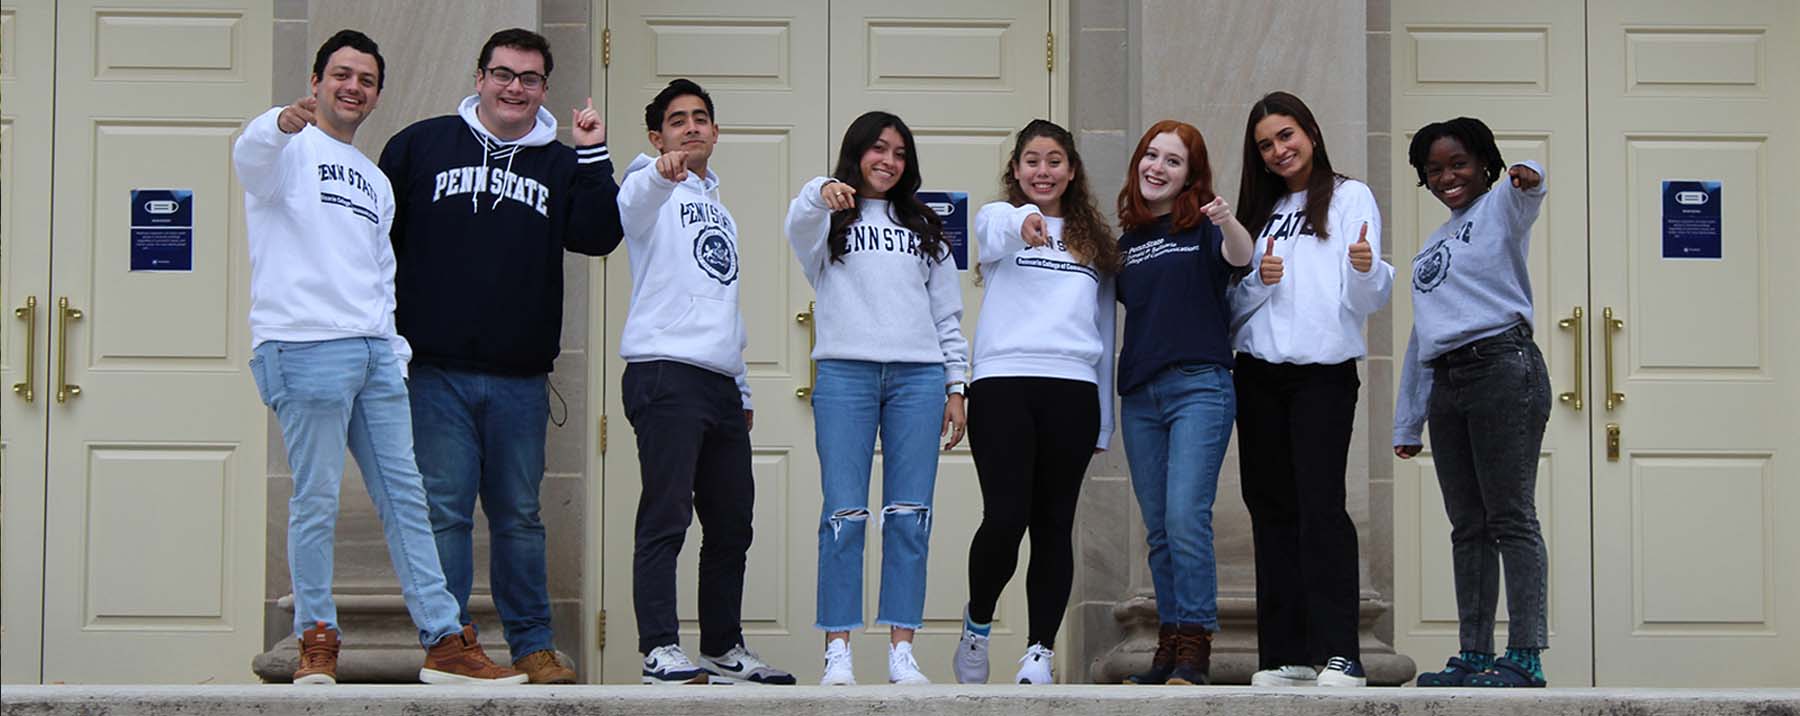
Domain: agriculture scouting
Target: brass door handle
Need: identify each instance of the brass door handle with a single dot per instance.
(28, 314)
(812, 340)
(1611, 325)
(64, 314)
(1573, 322)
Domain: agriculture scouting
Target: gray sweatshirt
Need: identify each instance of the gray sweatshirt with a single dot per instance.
(1469, 282)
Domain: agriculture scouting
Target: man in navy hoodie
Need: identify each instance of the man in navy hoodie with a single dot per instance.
(487, 201)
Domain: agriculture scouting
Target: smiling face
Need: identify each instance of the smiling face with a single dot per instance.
(347, 91)
(1453, 175)
(1286, 149)
(687, 127)
(510, 109)
(1163, 172)
(1044, 173)
(883, 163)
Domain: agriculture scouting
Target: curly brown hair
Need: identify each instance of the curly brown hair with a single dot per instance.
(1085, 230)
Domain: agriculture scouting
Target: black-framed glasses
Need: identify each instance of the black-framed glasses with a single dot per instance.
(505, 76)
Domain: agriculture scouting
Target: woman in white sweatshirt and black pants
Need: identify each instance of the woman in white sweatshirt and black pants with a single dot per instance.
(891, 359)
(1040, 404)
(1297, 327)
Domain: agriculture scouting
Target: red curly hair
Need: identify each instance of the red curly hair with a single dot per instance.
(1134, 211)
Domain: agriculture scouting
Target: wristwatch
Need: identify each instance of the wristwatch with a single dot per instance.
(956, 388)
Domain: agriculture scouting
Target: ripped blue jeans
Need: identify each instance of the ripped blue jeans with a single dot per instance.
(852, 402)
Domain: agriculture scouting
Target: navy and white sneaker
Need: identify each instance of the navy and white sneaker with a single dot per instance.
(669, 665)
(1340, 671)
(743, 666)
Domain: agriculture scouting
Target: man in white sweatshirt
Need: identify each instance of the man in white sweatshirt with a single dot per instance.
(328, 361)
(686, 396)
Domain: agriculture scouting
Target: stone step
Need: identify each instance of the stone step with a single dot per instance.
(275, 700)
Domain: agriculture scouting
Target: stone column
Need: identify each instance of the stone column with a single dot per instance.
(431, 47)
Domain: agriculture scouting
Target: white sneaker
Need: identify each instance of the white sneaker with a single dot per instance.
(1340, 671)
(740, 665)
(667, 665)
(903, 669)
(1034, 666)
(1286, 676)
(839, 671)
(971, 662)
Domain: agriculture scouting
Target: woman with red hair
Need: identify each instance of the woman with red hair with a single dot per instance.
(1180, 248)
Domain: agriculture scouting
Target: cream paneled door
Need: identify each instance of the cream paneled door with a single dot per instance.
(27, 52)
(1697, 557)
(153, 565)
(964, 76)
(764, 65)
(1518, 67)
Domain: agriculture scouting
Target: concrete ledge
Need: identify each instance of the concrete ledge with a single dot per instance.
(933, 700)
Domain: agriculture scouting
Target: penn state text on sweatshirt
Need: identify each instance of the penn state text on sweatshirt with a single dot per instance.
(1471, 281)
(318, 213)
(885, 301)
(684, 273)
(1044, 313)
(1173, 287)
(479, 233)
(1315, 314)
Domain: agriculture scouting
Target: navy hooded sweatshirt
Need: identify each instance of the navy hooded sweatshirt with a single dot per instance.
(480, 226)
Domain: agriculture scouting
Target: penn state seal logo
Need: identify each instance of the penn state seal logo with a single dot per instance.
(715, 254)
(1430, 270)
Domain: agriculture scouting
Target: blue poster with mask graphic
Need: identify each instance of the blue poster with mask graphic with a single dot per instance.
(162, 229)
(953, 208)
(1691, 226)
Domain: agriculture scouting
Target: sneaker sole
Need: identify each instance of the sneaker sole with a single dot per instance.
(697, 680)
(316, 680)
(1276, 682)
(1342, 683)
(1183, 682)
(433, 676)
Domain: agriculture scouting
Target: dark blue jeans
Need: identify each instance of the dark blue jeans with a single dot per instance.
(1490, 400)
(482, 435)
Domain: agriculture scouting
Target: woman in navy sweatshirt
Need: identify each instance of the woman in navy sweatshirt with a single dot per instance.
(1180, 247)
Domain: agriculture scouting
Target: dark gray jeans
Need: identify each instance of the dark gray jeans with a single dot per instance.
(1490, 400)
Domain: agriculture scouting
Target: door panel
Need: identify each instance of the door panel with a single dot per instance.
(156, 484)
(1694, 546)
(27, 54)
(764, 65)
(1518, 68)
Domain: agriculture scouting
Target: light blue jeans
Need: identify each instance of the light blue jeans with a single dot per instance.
(329, 395)
(1176, 428)
(852, 401)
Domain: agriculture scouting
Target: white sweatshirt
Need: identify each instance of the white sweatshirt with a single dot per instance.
(318, 213)
(684, 273)
(1045, 314)
(1315, 314)
(886, 301)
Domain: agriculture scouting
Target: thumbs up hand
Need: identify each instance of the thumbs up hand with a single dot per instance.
(587, 127)
(1270, 270)
(1362, 255)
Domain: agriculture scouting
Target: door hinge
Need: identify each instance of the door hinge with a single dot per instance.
(606, 47)
(602, 435)
(1049, 52)
(600, 630)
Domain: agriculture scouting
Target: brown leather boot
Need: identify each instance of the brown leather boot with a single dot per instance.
(458, 659)
(543, 667)
(1162, 663)
(318, 656)
(1193, 655)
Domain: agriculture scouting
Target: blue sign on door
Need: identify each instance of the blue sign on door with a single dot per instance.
(1691, 226)
(162, 229)
(953, 208)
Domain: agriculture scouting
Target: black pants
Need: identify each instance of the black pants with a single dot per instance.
(1294, 426)
(1032, 439)
(694, 452)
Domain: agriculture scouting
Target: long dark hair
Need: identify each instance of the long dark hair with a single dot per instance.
(1134, 211)
(904, 207)
(1260, 189)
(1084, 228)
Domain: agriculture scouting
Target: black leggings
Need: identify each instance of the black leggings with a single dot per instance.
(1032, 439)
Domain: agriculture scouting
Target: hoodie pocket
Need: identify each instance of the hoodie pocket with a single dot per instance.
(706, 319)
